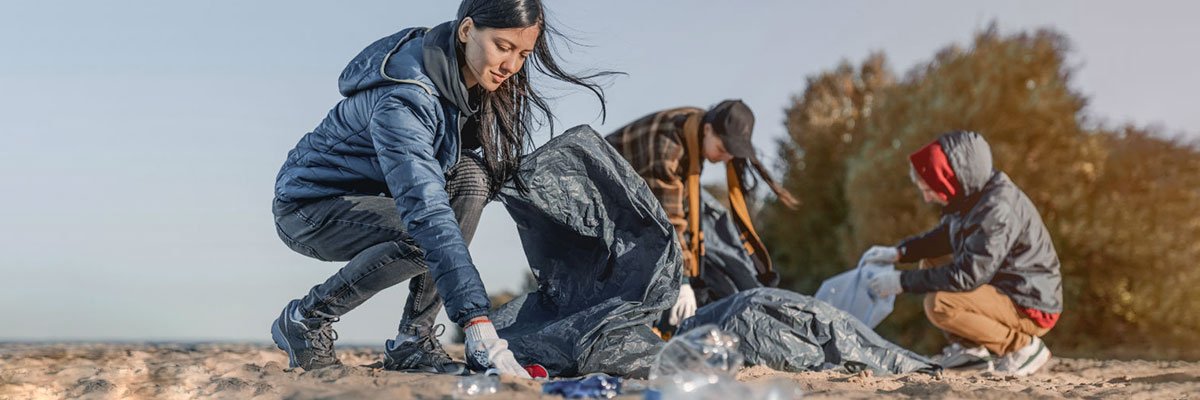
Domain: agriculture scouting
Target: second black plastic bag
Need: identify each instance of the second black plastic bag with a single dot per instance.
(791, 332)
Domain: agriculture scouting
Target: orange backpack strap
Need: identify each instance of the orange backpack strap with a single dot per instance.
(691, 138)
(750, 240)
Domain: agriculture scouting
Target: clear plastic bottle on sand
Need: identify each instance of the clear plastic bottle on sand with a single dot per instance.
(702, 364)
(475, 385)
(704, 351)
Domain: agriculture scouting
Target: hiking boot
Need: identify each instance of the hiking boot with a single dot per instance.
(425, 354)
(956, 356)
(1025, 360)
(308, 341)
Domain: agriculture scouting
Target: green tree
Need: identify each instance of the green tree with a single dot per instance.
(824, 127)
(1136, 243)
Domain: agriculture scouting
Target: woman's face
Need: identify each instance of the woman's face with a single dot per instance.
(714, 148)
(494, 55)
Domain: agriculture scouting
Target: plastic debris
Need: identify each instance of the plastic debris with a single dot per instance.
(704, 351)
(712, 387)
(537, 371)
(475, 385)
(591, 386)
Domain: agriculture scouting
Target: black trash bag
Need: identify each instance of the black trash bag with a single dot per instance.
(791, 332)
(604, 257)
(726, 267)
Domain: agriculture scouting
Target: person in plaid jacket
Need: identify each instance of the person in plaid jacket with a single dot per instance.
(660, 148)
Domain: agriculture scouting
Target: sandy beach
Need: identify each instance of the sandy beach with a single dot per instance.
(189, 371)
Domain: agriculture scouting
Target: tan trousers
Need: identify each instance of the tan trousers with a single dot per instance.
(984, 317)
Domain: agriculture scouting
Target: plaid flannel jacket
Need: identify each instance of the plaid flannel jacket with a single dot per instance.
(654, 146)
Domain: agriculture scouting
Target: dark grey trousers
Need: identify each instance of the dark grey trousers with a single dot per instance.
(367, 232)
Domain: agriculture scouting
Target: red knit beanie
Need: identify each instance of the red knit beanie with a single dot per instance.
(933, 167)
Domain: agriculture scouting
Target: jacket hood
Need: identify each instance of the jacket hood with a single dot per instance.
(971, 158)
(440, 53)
(421, 56)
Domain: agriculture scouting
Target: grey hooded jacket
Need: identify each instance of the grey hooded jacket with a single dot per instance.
(994, 232)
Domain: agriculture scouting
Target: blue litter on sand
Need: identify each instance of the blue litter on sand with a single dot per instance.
(590, 386)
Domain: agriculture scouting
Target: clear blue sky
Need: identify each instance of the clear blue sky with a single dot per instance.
(141, 138)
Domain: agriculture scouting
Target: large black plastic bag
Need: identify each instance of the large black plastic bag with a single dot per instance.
(791, 332)
(604, 256)
(726, 267)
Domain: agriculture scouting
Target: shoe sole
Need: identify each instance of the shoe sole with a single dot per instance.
(966, 362)
(985, 365)
(1036, 362)
(426, 369)
(282, 343)
(430, 370)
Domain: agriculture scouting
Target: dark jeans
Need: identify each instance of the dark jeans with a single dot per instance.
(367, 232)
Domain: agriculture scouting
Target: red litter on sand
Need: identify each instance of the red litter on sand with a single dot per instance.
(537, 371)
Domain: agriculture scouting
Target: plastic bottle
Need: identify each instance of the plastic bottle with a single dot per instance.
(704, 351)
(474, 385)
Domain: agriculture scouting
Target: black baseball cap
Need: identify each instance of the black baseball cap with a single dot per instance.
(733, 122)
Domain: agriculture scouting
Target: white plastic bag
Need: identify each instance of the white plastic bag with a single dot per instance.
(849, 292)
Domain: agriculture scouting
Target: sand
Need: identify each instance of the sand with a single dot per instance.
(244, 371)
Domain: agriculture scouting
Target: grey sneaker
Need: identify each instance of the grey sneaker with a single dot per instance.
(308, 341)
(955, 356)
(1026, 360)
(422, 355)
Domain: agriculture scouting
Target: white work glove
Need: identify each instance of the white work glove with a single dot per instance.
(881, 255)
(685, 306)
(485, 350)
(885, 284)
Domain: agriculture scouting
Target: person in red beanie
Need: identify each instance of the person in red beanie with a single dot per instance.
(1002, 290)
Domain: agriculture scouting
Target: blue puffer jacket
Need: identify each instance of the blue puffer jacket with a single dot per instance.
(397, 134)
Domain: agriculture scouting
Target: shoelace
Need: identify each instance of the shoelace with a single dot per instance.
(322, 338)
(430, 344)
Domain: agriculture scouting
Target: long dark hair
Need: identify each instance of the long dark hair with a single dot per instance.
(508, 115)
(750, 170)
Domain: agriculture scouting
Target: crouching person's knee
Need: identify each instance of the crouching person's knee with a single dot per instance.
(940, 308)
(469, 178)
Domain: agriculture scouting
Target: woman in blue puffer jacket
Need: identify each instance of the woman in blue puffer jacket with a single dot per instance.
(392, 181)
